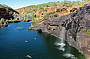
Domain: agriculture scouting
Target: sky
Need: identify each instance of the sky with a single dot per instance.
(15, 4)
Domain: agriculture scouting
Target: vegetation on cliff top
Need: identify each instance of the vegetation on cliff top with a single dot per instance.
(39, 12)
(88, 31)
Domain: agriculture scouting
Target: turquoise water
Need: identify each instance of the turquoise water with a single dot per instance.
(16, 42)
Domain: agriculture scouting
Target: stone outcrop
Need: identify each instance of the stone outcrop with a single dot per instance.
(6, 13)
(76, 26)
(3, 23)
(20, 10)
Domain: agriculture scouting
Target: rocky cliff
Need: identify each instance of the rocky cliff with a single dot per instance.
(76, 26)
(6, 13)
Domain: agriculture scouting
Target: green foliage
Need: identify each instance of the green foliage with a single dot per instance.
(37, 20)
(21, 18)
(51, 5)
(16, 14)
(34, 20)
(7, 9)
(43, 18)
(53, 15)
(88, 31)
(11, 19)
(33, 16)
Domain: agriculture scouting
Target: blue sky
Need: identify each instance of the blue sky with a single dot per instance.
(15, 4)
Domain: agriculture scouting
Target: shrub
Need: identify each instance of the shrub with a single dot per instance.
(88, 31)
(53, 15)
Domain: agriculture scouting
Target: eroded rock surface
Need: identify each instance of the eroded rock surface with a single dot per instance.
(76, 25)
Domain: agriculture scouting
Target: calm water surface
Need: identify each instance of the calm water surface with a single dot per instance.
(16, 42)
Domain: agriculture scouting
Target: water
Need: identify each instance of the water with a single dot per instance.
(16, 42)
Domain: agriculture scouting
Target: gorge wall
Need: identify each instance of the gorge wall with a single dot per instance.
(76, 26)
(6, 13)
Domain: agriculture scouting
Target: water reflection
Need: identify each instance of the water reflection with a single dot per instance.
(16, 42)
(55, 45)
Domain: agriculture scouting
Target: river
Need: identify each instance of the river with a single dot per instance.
(17, 42)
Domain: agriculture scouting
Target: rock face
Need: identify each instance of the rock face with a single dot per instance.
(3, 23)
(6, 14)
(76, 26)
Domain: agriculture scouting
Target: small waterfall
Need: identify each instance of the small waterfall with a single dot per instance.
(61, 43)
(64, 37)
(69, 55)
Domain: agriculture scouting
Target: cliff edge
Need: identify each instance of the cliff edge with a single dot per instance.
(77, 28)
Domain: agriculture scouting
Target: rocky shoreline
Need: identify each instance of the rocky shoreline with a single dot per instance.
(16, 21)
(5, 23)
(76, 26)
